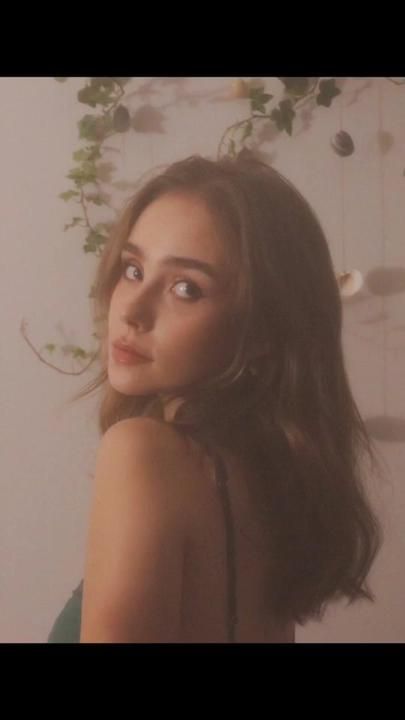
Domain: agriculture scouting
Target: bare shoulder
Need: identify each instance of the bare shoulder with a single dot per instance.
(158, 452)
(148, 429)
(152, 438)
(136, 537)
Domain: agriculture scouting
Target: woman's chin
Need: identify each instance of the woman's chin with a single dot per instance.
(128, 386)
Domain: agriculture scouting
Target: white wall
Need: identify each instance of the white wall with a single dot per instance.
(48, 450)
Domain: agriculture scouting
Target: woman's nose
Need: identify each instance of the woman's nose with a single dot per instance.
(139, 312)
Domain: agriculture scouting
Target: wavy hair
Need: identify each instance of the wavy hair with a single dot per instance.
(293, 421)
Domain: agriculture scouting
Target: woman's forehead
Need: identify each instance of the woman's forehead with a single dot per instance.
(183, 224)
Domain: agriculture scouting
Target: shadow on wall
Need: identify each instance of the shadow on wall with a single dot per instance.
(382, 282)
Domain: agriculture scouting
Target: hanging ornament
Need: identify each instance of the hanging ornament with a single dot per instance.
(350, 283)
(121, 119)
(342, 143)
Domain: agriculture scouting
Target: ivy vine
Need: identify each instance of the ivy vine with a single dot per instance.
(298, 91)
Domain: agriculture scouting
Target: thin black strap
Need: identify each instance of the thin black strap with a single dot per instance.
(221, 479)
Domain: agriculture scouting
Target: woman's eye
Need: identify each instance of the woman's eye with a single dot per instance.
(125, 264)
(195, 290)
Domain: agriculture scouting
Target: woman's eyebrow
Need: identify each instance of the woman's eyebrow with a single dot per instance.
(176, 260)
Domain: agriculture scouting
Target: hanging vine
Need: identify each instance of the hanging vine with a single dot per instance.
(298, 91)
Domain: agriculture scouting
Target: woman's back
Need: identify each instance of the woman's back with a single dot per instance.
(205, 611)
(226, 562)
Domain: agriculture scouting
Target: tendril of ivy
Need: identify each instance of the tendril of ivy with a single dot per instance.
(297, 93)
(112, 117)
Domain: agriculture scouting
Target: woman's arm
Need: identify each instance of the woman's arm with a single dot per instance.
(136, 537)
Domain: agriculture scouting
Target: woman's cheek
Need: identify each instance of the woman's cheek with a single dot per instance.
(209, 342)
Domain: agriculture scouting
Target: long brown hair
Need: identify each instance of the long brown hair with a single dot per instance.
(294, 422)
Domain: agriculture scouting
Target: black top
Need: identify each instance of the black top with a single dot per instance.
(66, 628)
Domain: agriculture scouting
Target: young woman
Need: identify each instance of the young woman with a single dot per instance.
(228, 502)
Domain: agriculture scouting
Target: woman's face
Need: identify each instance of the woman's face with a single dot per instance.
(179, 316)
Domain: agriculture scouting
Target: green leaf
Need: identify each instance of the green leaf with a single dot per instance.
(283, 116)
(94, 95)
(91, 152)
(75, 221)
(102, 82)
(296, 85)
(94, 127)
(87, 127)
(94, 241)
(327, 91)
(86, 173)
(256, 92)
(80, 155)
(258, 99)
(68, 194)
(78, 352)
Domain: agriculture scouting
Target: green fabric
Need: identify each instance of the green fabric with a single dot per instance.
(66, 628)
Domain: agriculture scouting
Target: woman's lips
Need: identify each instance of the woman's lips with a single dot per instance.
(127, 357)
